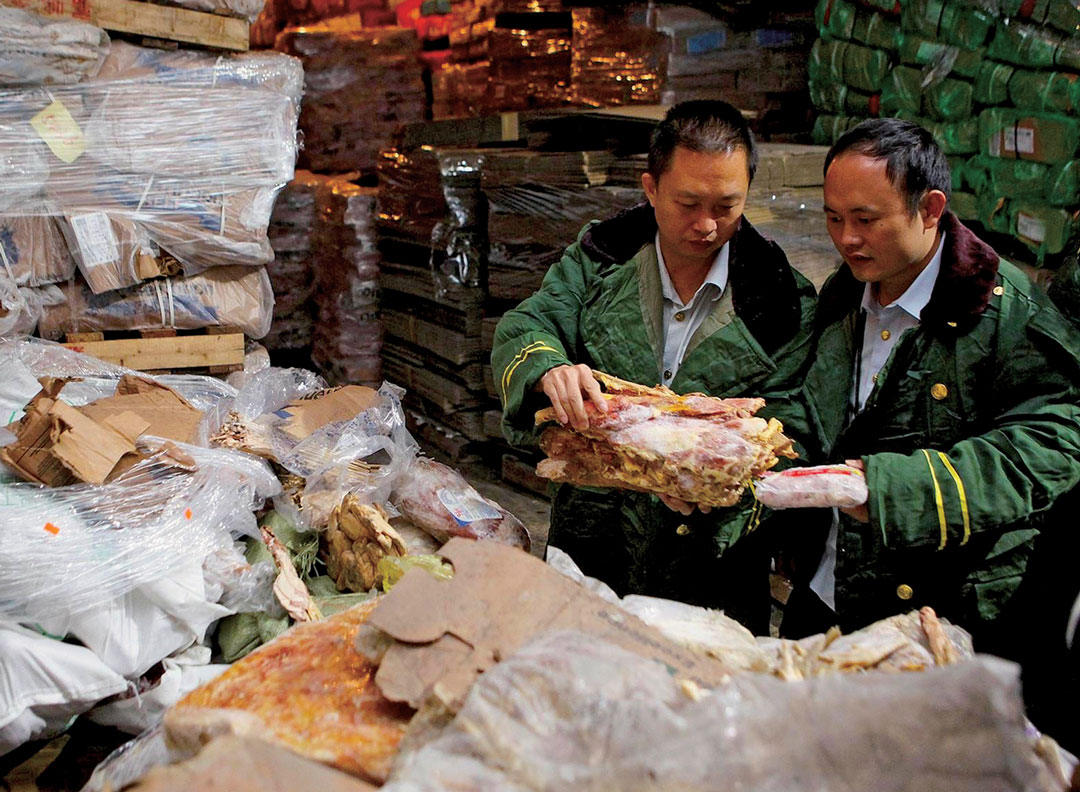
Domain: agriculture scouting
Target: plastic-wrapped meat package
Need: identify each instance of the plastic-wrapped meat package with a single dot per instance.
(70, 549)
(569, 711)
(37, 50)
(33, 250)
(440, 501)
(239, 296)
(20, 309)
(813, 487)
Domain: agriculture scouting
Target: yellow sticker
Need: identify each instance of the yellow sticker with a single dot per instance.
(60, 131)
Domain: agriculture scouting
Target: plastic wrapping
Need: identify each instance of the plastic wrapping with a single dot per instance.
(1034, 47)
(69, 549)
(163, 157)
(862, 68)
(1047, 230)
(393, 568)
(1058, 185)
(36, 50)
(570, 711)
(1021, 134)
(940, 57)
(953, 22)
(439, 500)
(237, 296)
(813, 487)
(908, 90)
(360, 85)
(33, 251)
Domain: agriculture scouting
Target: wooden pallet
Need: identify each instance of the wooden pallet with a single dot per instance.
(151, 20)
(215, 350)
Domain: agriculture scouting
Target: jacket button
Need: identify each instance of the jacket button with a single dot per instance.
(680, 316)
(999, 290)
(885, 335)
(667, 374)
(939, 391)
(683, 530)
(904, 591)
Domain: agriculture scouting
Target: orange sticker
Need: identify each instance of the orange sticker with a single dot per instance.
(52, 529)
(187, 514)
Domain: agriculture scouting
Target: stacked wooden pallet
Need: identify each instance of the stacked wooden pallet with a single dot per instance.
(211, 350)
(150, 20)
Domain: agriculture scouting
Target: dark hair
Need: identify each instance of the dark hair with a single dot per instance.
(914, 162)
(710, 127)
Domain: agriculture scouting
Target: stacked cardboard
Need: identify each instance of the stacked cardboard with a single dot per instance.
(292, 272)
(360, 85)
(348, 334)
(992, 81)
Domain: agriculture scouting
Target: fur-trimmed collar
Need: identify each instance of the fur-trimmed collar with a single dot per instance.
(764, 291)
(961, 293)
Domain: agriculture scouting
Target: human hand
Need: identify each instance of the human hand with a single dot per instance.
(861, 512)
(682, 507)
(564, 385)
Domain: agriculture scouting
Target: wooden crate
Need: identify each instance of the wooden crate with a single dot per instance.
(152, 20)
(217, 350)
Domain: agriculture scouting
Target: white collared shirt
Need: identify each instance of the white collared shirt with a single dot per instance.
(681, 319)
(885, 324)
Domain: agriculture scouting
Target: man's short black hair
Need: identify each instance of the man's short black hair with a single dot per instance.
(709, 127)
(914, 162)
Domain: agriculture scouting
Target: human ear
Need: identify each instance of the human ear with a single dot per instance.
(932, 207)
(650, 185)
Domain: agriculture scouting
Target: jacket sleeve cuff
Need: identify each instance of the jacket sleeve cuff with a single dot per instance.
(515, 381)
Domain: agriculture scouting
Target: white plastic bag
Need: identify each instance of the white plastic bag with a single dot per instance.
(813, 487)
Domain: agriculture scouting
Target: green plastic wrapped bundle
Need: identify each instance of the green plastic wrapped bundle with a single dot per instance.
(956, 172)
(1055, 92)
(887, 6)
(1014, 178)
(826, 62)
(992, 83)
(835, 18)
(1045, 229)
(1064, 15)
(993, 212)
(1026, 135)
(839, 99)
(876, 30)
(828, 128)
(950, 22)
(956, 138)
(964, 205)
(942, 58)
(949, 100)
(1035, 47)
(865, 68)
(902, 92)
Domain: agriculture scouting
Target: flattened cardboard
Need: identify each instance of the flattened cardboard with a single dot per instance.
(167, 413)
(447, 632)
(304, 416)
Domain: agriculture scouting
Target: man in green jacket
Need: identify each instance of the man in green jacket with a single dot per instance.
(954, 382)
(680, 291)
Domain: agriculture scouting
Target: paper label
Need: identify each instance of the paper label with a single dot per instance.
(97, 242)
(60, 131)
(1030, 227)
(1025, 140)
(466, 508)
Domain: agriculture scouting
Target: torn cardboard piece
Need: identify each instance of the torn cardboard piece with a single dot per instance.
(57, 444)
(448, 632)
(304, 416)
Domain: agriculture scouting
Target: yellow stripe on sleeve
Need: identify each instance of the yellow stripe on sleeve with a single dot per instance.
(540, 346)
(939, 501)
(962, 493)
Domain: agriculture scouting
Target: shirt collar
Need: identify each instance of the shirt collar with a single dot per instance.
(917, 295)
(718, 274)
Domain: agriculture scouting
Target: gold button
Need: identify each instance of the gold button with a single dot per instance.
(939, 391)
(951, 324)
(885, 335)
(683, 530)
(904, 592)
(874, 379)
(680, 316)
(999, 290)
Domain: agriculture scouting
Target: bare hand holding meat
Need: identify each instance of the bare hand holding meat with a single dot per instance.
(692, 448)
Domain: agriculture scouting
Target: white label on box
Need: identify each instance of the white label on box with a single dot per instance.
(1030, 227)
(1025, 140)
(466, 508)
(97, 242)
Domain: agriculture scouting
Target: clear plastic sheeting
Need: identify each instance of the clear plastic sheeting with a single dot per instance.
(237, 296)
(164, 159)
(569, 711)
(70, 549)
(36, 50)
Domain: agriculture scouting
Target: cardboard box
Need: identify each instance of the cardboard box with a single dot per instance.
(304, 416)
(57, 444)
(448, 632)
